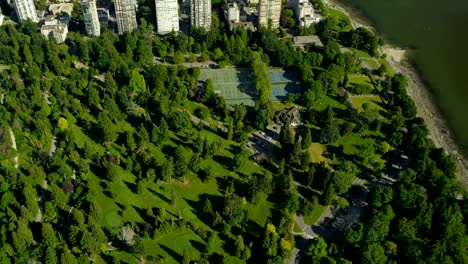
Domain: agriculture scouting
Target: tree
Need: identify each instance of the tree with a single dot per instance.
(270, 241)
(211, 243)
(179, 57)
(239, 246)
(106, 128)
(137, 83)
(380, 195)
(62, 124)
(307, 139)
(330, 131)
(328, 195)
(373, 253)
(233, 209)
(354, 233)
(186, 258)
(240, 159)
(342, 181)
(317, 249)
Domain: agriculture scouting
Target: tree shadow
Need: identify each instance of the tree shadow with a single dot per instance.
(216, 258)
(176, 256)
(143, 215)
(226, 162)
(197, 245)
(131, 186)
(307, 193)
(246, 82)
(160, 196)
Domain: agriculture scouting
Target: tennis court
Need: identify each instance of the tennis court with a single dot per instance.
(236, 85)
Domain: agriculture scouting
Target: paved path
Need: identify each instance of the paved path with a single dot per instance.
(13, 145)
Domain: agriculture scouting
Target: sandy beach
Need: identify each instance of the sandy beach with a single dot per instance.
(424, 100)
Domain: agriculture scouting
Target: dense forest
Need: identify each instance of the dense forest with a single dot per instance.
(113, 150)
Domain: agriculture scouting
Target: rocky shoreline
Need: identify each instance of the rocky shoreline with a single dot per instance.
(427, 108)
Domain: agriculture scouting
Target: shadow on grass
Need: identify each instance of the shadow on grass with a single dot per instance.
(176, 256)
(160, 196)
(131, 186)
(216, 258)
(226, 162)
(307, 193)
(198, 245)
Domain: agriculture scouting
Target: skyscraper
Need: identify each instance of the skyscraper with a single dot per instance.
(269, 10)
(90, 17)
(167, 16)
(25, 9)
(126, 15)
(200, 13)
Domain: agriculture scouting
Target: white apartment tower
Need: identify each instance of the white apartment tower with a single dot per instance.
(25, 9)
(125, 15)
(167, 16)
(200, 13)
(90, 17)
(269, 10)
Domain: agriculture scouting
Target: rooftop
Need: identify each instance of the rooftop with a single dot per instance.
(301, 41)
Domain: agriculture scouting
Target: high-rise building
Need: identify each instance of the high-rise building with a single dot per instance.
(200, 13)
(125, 15)
(1, 17)
(269, 11)
(90, 17)
(25, 9)
(167, 16)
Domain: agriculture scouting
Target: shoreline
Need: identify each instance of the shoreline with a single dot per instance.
(426, 106)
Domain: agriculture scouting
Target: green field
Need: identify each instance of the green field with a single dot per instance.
(372, 101)
(316, 153)
(122, 202)
(237, 86)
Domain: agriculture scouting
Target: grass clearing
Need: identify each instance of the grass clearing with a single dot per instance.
(316, 153)
(389, 69)
(315, 215)
(373, 102)
(123, 201)
(374, 64)
(326, 101)
(359, 79)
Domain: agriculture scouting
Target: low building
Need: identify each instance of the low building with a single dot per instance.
(292, 114)
(57, 32)
(61, 10)
(302, 41)
(55, 25)
(304, 11)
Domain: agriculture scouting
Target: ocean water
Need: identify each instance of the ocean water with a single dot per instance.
(437, 31)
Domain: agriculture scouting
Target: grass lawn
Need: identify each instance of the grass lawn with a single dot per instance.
(373, 101)
(316, 151)
(297, 228)
(326, 101)
(390, 72)
(282, 105)
(359, 79)
(330, 12)
(374, 64)
(316, 213)
(120, 202)
(350, 143)
(260, 211)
